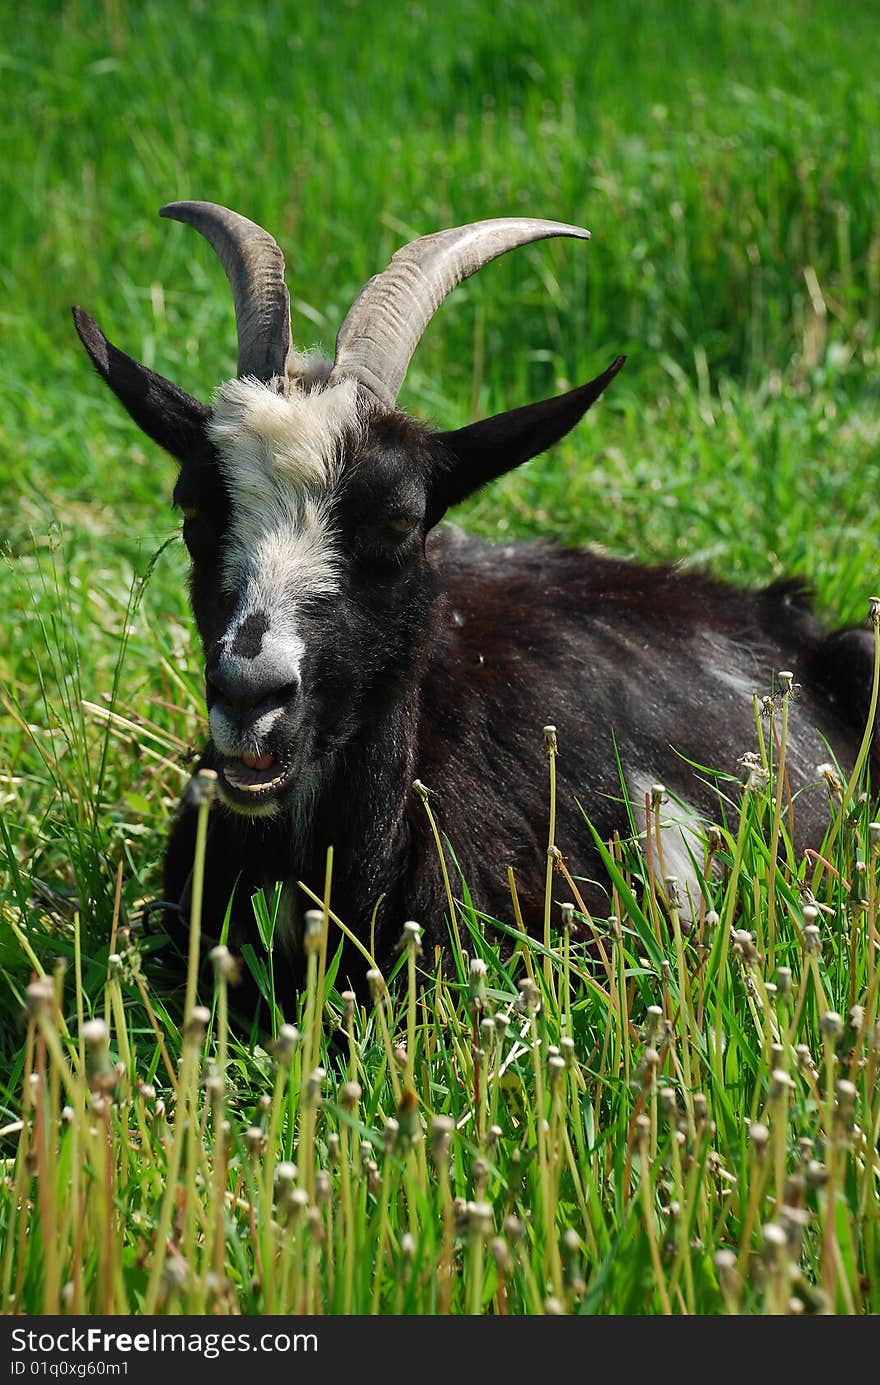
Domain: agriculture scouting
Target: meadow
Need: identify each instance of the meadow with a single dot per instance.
(673, 1121)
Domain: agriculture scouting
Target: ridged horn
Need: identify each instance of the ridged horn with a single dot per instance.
(254, 266)
(385, 323)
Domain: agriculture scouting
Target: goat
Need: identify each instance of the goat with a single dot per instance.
(354, 645)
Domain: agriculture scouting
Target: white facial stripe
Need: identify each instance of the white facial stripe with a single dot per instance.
(279, 456)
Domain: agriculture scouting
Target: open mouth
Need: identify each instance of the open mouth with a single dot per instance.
(254, 776)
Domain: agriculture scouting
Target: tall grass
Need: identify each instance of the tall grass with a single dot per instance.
(681, 1118)
(725, 158)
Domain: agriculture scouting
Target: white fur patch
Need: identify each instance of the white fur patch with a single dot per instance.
(681, 839)
(730, 665)
(279, 455)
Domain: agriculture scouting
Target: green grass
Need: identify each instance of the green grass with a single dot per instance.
(726, 159)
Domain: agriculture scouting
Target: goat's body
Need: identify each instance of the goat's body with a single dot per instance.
(647, 673)
(352, 647)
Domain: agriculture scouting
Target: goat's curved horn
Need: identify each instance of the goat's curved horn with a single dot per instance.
(386, 321)
(254, 266)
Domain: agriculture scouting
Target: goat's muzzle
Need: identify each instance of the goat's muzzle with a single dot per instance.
(255, 716)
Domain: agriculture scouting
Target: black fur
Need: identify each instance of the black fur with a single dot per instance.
(442, 658)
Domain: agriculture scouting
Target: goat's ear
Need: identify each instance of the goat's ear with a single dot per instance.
(480, 452)
(167, 414)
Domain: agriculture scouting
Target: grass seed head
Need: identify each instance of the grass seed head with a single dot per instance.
(477, 973)
(831, 1026)
(95, 1034)
(376, 984)
(479, 1218)
(728, 1275)
(196, 1027)
(555, 1069)
(775, 1244)
(668, 1102)
(390, 1134)
(847, 1095)
(408, 1116)
(441, 1135)
(513, 1229)
(298, 1201)
(816, 1174)
(780, 1084)
(744, 946)
(175, 1275)
(653, 1024)
(480, 1173)
(284, 1045)
(832, 779)
(794, 1222)
(313, 931)
(529, 996)
(312, 1092)
(40, 998)
(225, 966)
(412, 936)
(350, 1096)
(759, 1134)
(804, 1059)
(285, 1175)
(500, 1251)
(202, 788)
(255, 1140)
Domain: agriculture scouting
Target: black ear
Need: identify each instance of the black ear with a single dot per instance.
(484, 450)
(168, 415)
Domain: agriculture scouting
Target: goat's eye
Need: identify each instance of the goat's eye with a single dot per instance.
(400, 525)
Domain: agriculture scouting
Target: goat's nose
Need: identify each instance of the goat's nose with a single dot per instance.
(249, 687)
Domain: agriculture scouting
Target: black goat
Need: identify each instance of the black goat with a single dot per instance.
(352, 646)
